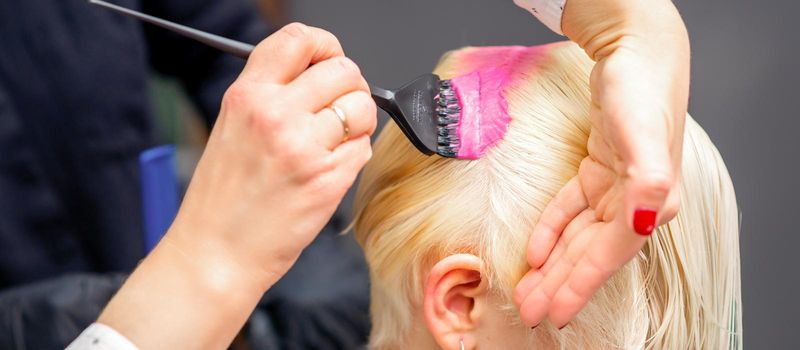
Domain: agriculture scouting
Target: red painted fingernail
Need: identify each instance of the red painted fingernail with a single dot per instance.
(644, 221)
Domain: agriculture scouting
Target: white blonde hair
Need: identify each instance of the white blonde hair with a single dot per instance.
(682, 291)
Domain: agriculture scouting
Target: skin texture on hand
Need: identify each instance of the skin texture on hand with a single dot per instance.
(274, 171)
(628, 183)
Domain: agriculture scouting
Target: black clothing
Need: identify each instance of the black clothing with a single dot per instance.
(320, 304)
(75, 114)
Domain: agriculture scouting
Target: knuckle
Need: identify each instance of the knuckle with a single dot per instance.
(330, 38)
(364, 104)
(367, 154)
(316, 173)
(295, 38)
(373, 122)
(237, 95)
(654, 180)
(518, 297)
(325, 165)
(267, 113)
(671, 207)
(345, 67)
(267, 117)
(668, 214)
(657, 183)
(292, 154)
(296, 30)
(236, 92)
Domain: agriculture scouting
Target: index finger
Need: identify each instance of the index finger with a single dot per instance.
(562, 209)
(287, 53)
(608, 251)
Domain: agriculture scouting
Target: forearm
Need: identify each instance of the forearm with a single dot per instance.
(184, 296)
(645, 37)
(602, 26)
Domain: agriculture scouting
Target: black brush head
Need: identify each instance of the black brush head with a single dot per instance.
(427, 111)
(448, 114)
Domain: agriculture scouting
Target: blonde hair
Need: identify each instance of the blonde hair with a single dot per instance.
(682, 291)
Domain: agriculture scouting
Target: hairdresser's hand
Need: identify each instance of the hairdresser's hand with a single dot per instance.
(273, 172)
(629, 182)
(276, 166)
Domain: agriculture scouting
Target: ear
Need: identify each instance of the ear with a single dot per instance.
(455, 299)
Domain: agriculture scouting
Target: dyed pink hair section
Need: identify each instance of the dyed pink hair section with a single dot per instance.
(481, 92)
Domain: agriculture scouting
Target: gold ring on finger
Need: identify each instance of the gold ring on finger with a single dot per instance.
(342, 118)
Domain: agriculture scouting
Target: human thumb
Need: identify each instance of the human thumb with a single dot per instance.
(650, 195)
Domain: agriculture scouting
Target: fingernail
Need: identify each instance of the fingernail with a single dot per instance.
(644, 221)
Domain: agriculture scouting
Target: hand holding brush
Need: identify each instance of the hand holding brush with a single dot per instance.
(426, 109)
(291, 137)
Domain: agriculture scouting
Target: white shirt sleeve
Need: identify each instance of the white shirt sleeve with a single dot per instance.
(547, 11)
(101, 337)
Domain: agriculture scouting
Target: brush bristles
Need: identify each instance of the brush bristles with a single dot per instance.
(448, 112)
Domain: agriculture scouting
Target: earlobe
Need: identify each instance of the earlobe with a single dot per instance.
(454, 300)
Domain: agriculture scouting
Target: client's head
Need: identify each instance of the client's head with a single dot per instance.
(446, 239)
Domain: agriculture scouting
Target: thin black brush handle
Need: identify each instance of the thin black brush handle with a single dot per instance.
(236, 48)
(383, 98)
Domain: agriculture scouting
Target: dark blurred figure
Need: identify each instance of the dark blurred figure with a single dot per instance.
(74, 116)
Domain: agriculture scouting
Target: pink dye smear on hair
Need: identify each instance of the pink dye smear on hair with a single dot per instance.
(484, 111)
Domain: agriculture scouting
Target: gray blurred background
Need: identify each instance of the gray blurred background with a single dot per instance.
(744, 93)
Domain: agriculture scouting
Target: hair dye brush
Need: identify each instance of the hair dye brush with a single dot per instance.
(427, 109)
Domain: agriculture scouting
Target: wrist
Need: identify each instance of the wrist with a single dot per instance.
(600, 27)
(220, 264)
(184, 298)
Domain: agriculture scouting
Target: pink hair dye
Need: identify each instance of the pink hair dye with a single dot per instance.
(484, 116)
